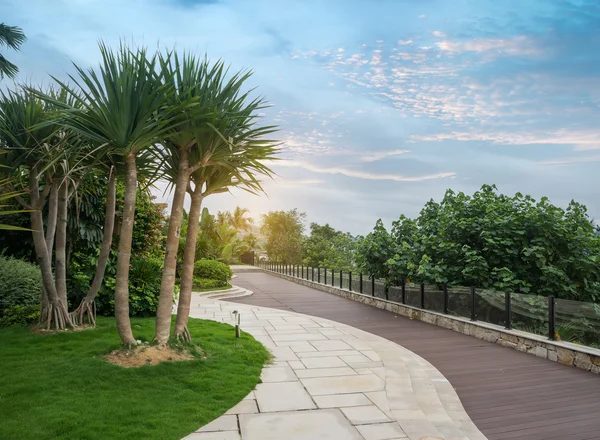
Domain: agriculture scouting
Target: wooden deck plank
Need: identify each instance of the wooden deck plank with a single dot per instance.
(509, 395)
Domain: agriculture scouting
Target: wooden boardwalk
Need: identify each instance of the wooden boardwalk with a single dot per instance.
(508, 394)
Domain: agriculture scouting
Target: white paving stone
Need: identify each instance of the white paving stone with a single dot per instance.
(244, 407)
(282, 396)
(331, 345)
(341, 400)
(326, 424)
(325, 372)
(361, 415)
(223, 423)
(223, 435)
(331, 381)
(381, 431)
(323, 362)
(319, 386)
(278, 374)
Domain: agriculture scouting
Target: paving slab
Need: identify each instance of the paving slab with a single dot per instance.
(282, 396)
(343, 384)
(328, 424)
(331, 381)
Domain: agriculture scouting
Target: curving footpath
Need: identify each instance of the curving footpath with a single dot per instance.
(331, 381)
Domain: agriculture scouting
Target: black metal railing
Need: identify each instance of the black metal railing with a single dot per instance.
(577, 321)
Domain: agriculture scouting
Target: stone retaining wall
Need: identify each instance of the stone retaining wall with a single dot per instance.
(566, 353)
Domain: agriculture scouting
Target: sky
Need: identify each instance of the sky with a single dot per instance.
(382, 105)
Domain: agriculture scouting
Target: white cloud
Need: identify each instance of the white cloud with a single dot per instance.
(378, 155)
(439, 34)
(359, 174)
(292, 183)
(405, 42)
(582, 140)
(570, 160)
(422, 16)
(508, 46)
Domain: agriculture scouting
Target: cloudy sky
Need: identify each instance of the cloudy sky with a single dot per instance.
(382, 104)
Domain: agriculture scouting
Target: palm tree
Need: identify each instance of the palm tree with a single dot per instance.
(191, 81)
(122, 109)
(213, 102)
(11, 37)
(28, 135)
(250, 150)
(239, 221)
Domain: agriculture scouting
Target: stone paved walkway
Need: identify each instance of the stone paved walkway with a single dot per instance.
(330, 381)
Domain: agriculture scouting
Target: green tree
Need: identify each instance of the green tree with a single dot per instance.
(239, 221)
(122, 109)
(11, 37)
(29, 134)
(283, 234)
(326, 247)
(374, 250)
(491, 240)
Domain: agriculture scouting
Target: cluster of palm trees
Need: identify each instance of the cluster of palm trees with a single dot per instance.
(224, 236)
(139, 117)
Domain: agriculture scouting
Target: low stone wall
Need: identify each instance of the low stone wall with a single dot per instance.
(566, 353)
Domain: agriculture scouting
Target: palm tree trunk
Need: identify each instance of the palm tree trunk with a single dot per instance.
(187, 271)
(54, 313)
(50, 231)
(126, 235)
(87, 306)
(60, 255)
(52, 217)
(167, 284)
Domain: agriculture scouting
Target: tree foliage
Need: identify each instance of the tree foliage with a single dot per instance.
(491, 240)
(11, 37)
(282, 231)
(326, 247)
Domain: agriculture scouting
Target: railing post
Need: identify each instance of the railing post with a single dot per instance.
(360, 279)
(551, 318)
(341, 280)
(422, 295)
(403, 291)
(372, 285)
(319, 275)
(325, 276)
(445, 299)
(313, 275)
(473, 304)
(350, 281)
(507, 319)
(387, 290)
(332, 277)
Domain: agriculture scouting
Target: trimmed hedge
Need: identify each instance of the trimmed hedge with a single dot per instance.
(207, 283)
(20, 315)
(212, 270)
(20, 284)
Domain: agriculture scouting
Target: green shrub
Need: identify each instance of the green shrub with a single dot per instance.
(213, 270)
(144, 289)
(20, 283)
(207, 283)
(20, 315)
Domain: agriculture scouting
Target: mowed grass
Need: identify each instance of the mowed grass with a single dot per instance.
(58, 386)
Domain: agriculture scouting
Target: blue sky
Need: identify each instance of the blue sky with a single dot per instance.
(382, 104)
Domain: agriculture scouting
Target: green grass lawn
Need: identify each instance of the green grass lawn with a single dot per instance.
(58, 386)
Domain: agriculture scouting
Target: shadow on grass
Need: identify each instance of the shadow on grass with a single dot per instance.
(58, 386)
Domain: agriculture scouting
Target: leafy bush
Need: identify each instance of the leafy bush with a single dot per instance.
(213, 270)
(207, 283)
(144, 288)
(20, 315)
(20, 283)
